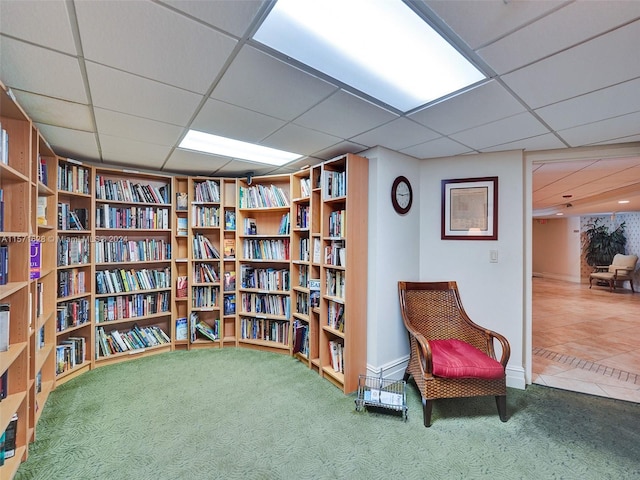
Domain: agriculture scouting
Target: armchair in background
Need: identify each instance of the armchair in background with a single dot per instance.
(621, 270)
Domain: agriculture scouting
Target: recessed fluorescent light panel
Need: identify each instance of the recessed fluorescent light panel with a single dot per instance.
(207, 143)
(380, 47)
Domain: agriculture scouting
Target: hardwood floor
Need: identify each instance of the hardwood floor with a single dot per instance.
(587, 340)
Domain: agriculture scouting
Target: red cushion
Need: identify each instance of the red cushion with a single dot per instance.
(453, 358)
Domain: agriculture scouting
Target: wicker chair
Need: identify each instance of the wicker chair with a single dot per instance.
(433, 311)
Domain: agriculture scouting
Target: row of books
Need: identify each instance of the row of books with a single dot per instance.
(265, 278)
(1, 210)
(229, 220)
(303, 216)
(122, 250)
(73, 251)
(4, 145)
(41, 210)
(335, 254)
(132, 217)
(205, 273)
(72, 314)
(264, 329)
(131, 306)
(204, 296)
(4, 385)
(262, 196)
(9, 440)
(203, 216)
(203, 248)
(207, 191)
(336, 352)
(304, 244)
(285, 225)
(182, 283)
(72, 219)
(335, 184)
(121, 280)
(137, 338)
(5, 321)
(209, 332)
(73, 177)
(266, 249)
(301, 338)
(43, 170)
(302, 303)
(126, 191)
(335, 283)
(265, 303)
(337, 223)
(335, 316)
(4, 264)
(305, 187)
(70, 353)
(71, 282)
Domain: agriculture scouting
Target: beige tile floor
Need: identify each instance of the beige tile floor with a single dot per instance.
(587, 340)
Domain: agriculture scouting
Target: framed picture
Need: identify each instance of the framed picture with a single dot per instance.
(470, 209)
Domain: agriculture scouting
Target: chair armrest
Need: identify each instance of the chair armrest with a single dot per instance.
(424, 353)
(601, 268)
(504, 344)
(622, 271)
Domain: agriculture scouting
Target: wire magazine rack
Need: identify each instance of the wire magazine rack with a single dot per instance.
(382, 393)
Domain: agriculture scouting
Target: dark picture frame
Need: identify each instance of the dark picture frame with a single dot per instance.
(470, 209)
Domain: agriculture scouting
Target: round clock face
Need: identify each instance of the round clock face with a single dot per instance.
(401, 195)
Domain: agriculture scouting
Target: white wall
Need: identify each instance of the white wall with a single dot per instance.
(556, 248)
(394, 242)
(409, 248)
(494, 294)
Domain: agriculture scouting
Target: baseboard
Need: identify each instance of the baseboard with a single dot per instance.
(516, 377)
(558, 276)
(391, 370)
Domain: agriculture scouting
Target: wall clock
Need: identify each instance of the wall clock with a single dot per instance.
(401, 195)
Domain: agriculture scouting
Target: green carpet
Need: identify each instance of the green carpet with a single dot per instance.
(243, 414)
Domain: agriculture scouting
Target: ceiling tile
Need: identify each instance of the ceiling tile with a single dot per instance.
(479, 23)
(239, 168)
(193, 163)
(261, 83)
(591, 107)
(396, 135)
(440, 147)
(483, 104)
(596, 64)
(52, 111)
(44, 22)
(546, 141)
(152, 41)
(507, 130)
(233, 17)
(23, 66)
(568, 26)
(122, 92)
(135, 128)
(336, 150)
(605, 130)
(296, 139)
(356, 115)
(71, 143)
(131, 153)
(228, 120)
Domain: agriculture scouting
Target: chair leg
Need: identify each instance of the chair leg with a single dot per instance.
(631, 283)
(501, 402)
(590, 280)
(427, 406)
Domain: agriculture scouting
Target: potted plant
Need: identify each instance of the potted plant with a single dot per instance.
(600, 245)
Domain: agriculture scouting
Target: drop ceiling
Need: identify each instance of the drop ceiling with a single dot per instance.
(121, 82)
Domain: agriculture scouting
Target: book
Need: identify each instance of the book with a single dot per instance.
(181, 286)
(34, 260)
(181, 226)
(11, 434)
(229, 281)
(229, 220)
(4, 327)
(207, 331)
(41, 210)
(317, 250)
(229, 248)
(314, 292)
(182, 201)
(250, 226)
(230, 304)
(181, 328)
(4, 385)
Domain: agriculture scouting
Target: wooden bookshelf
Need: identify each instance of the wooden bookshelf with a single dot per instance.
(74, 274)
(205, 267)
(134, 236)
(264, 263)
(15, 287)
(343, 305)
(229, 266)
(180, 263)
